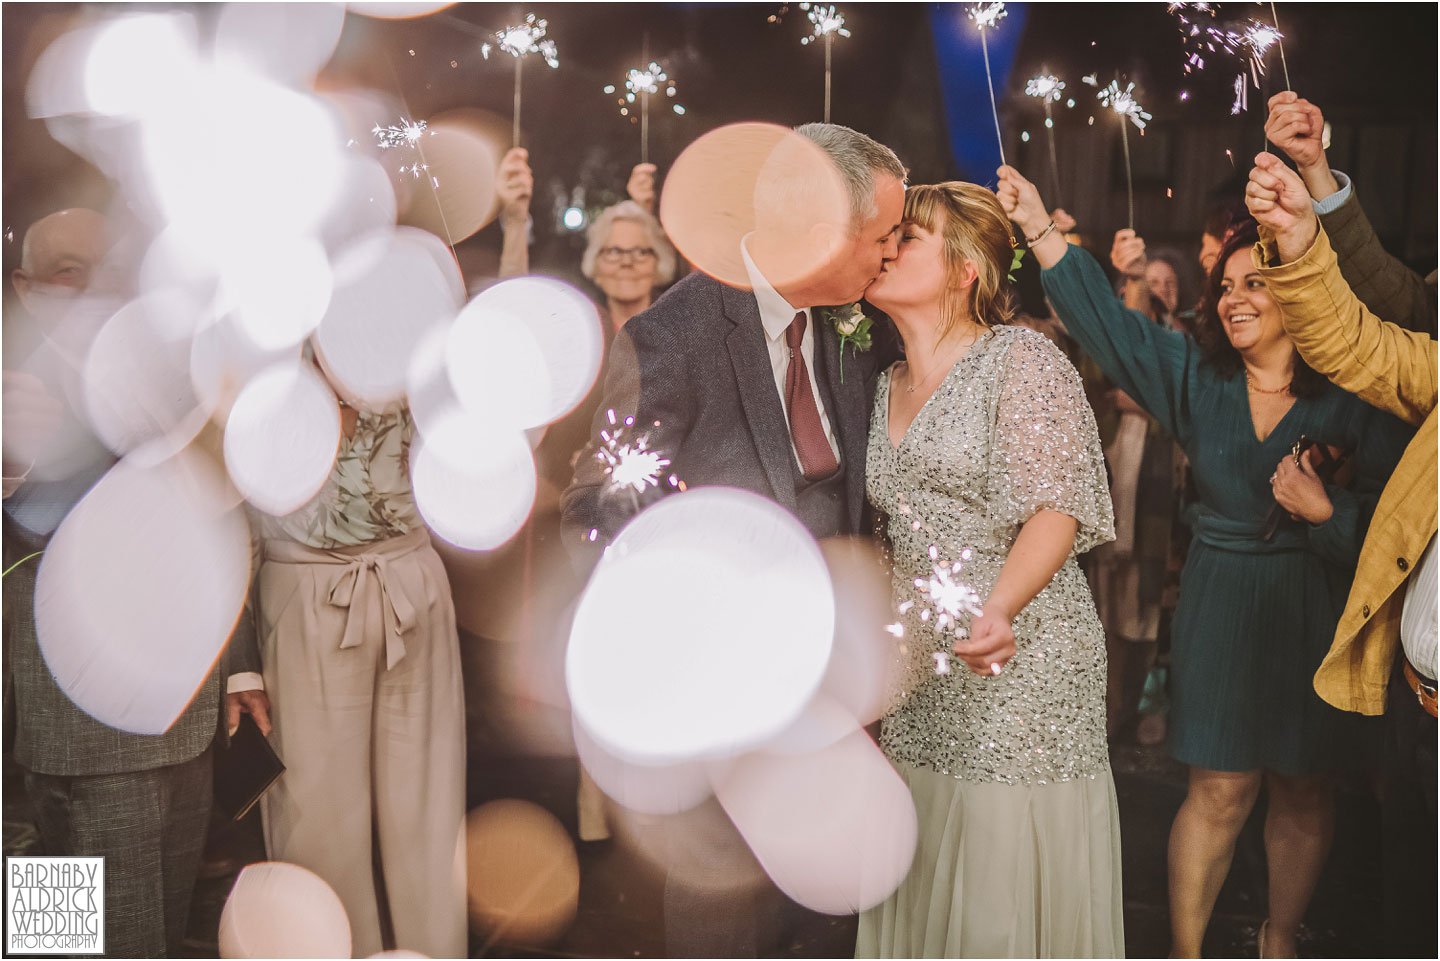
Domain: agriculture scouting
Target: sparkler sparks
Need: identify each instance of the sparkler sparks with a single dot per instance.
(825, 21)
(1047, 88)
(406, 134)
(986, 14)
(631, 464)
(1123, 103)
(527, 38)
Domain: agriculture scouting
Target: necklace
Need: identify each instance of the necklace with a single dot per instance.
(1250, 382)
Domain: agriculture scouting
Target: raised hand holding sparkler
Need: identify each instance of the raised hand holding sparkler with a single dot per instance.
(986, 15)
(520, 41)
(1124, 104)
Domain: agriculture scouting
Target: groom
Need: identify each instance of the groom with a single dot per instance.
(718, 367)
(747, 390)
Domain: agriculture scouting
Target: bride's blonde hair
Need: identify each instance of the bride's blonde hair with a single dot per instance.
(973, 226)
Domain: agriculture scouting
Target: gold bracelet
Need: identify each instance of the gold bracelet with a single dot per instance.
(1032, 241)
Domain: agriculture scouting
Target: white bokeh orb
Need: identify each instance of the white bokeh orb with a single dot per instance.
(704, 631)
(282, 437)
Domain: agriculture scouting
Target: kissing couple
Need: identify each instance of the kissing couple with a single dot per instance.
(979, 447)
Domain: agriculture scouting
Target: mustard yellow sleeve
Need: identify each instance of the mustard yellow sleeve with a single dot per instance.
(1383, 364)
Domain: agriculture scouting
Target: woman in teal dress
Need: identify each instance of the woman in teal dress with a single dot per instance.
(1255, 616)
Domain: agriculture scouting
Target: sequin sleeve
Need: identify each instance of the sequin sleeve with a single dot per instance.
(1046, 454)
(1152, 364)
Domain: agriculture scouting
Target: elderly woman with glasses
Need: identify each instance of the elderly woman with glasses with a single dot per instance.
(628, 257)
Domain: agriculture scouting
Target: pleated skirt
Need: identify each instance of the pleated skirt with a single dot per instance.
(1005, 871)
(1250, 630)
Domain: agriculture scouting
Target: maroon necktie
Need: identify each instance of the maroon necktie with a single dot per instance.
(817, 460)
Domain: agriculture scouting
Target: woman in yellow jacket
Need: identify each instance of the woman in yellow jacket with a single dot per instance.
(1387, 633)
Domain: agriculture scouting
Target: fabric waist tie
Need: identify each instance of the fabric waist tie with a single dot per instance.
(1244, 536)
(367, 567)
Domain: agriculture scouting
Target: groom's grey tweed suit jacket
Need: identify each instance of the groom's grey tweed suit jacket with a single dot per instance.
(697, 363)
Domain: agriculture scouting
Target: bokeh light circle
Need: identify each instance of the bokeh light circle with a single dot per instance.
(526, 350)
(736, 177)
(282, 437)
(523, 878)
(474, 483)
(389, 293)
(648, 789)
(139, 590)
(744, 583)
(834, 829)
(281, 910)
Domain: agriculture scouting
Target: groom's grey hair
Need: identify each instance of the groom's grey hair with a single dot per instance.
(858, 158)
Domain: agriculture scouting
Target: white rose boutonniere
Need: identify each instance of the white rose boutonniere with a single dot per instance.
(854, 329)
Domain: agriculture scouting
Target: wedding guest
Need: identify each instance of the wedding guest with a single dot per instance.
(361, 674)
(1255, 615)
(1387, 632)
(139, 801)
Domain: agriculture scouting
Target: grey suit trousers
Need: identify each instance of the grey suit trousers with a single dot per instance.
(150, 828)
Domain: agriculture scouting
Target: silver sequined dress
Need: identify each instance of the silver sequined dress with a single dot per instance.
(1019, 836)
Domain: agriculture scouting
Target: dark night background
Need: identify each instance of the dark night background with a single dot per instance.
(910, 75)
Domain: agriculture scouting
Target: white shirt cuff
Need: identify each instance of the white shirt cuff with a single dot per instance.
(1336, 200)
(245, 681)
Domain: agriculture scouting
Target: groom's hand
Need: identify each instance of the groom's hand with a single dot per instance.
(991, 643)
(1021, 201)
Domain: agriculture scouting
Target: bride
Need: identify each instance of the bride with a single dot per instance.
(984, 453)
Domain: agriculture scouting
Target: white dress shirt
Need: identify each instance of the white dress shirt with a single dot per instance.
(776, 315)
(1417, 617)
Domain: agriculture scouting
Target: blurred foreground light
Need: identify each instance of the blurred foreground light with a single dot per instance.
(525, 351)
(364, 204)
(288, 42)
(282, 437)
(137, 372)
(222, 361)
(649, 789)
(138, 64)
(389, 293)
(280, 910)
(747, 175)
(279, 292)
(236, 161)
(704, 630)
(454, 195)
(398, 9)
(474, 482)
(139, 590)
(523, 884)
(573, 218)
(864, 673)
(834, 829)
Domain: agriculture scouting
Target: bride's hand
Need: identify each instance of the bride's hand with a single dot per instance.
(991, 643)
(1021, 201)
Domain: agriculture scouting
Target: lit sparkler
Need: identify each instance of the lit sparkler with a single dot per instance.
(1124, 103)
(641, 83)
(1049, 89)
(826, 23)
(987, 15)
(943, 599)
(527, 38)
(631, 464)
(405, 134)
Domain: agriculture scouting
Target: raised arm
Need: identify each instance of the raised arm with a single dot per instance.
(1145, 360)
(1383, 283)
(1385, 365)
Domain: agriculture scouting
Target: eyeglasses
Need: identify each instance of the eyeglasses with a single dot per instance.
(620, 255)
